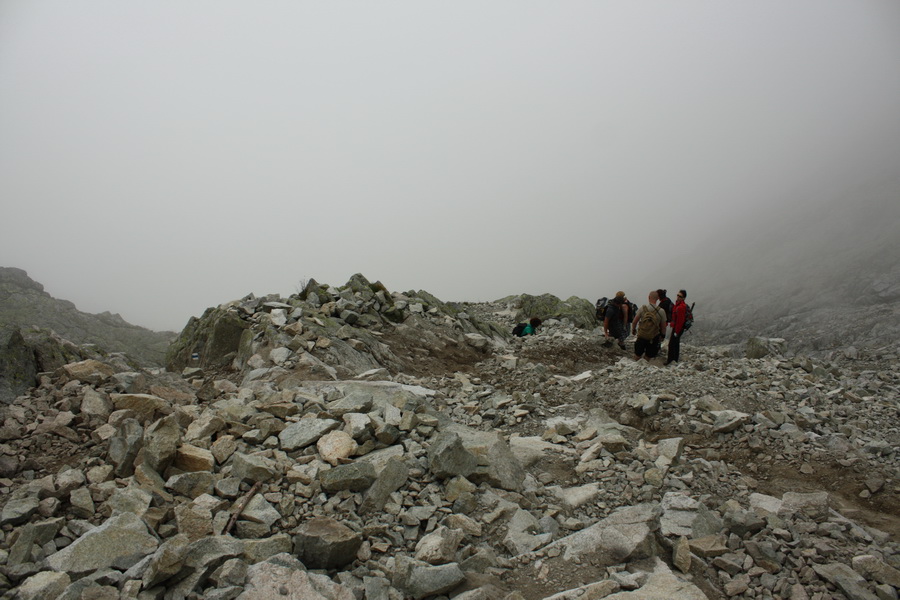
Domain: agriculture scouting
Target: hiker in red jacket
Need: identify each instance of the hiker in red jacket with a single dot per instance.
(679, 313)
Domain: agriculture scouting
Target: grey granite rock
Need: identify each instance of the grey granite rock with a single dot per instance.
(305, 432)
(356, 477)
(119, 542)
(324, 543)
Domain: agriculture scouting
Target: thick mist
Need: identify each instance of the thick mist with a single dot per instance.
(826, 267)
(157, 159)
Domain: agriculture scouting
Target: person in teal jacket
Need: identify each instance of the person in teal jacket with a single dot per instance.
(532, 326)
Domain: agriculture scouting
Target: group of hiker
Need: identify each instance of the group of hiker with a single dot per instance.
(649, 324)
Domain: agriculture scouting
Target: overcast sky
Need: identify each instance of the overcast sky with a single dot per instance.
(157, 158)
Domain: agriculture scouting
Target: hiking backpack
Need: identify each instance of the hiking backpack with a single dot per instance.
(667, 306)
(632, 310)
(518, 329)
(648, 326)
(688, 316)
(601, 305)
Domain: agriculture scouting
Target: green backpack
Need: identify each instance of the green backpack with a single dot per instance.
(648, 326)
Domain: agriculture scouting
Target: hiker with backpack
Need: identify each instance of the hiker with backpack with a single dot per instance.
(666, 304)
(600, 308)
(629, 309)
(529, 328)
(613, 323)
(649, 326)
(679, 326)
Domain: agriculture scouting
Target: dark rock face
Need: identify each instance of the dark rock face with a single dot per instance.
(17, 364)
(215, 338)
(32, 352)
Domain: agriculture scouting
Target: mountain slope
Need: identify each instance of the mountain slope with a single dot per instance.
(24, 304)
(822, 274)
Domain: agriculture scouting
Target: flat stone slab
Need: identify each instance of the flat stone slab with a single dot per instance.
(849, 581)
(728, 420)
(19, 510)
(661, 584)
(626, 534)
(283, 577)
(305, 432)
(119, 542)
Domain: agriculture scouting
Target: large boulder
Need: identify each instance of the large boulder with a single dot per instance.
(420, 579)
(283, 576)
(448, 457)
(626, 534)
(496, 463)
(120, 542)
(215, 338)
(659, 583)
(29, 352)
(579, 311)
(43, 585)
(324, 543)
(759, 347)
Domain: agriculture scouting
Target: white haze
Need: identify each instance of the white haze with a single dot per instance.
(157, 158)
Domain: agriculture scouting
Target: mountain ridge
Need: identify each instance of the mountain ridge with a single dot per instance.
(39, 332)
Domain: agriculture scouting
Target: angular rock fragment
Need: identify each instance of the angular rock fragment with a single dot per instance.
(419, 580)
(283, 576)
(846, 579)
(336, 446)
(43, 586)
(119, 542)
(324, 543)
(249, 467)
(439, 547)
(626, 534)
(356, 477)
(728, 420)
(305, 432)
(448, 457)
(392, 477)
(89, 371)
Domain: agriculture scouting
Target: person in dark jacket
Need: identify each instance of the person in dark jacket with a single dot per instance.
(666, 304)
(679, 314)
(613, 323)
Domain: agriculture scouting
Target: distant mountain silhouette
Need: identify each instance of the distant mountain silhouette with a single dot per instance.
(24, 305)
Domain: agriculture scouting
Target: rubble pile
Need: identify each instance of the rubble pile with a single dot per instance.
(311, 457)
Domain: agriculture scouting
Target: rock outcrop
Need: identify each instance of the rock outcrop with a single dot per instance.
(328, 332)
(577, 311)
